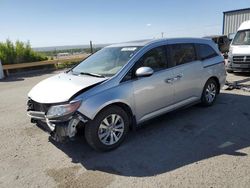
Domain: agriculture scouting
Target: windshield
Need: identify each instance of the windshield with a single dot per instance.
(242, 38)
(106, 62)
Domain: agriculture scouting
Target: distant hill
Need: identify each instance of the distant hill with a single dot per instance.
(52, 48)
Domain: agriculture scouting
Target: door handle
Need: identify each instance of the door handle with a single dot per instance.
(178, 77)
(169, 80)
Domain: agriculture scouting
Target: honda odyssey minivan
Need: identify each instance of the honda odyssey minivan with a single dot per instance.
(124, 85)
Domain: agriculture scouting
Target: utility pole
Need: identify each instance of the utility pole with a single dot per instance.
(91, 47)
(162, 34)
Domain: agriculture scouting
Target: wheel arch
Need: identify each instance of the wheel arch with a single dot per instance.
(125, 107)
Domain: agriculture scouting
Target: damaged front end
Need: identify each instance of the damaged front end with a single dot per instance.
(62, 121)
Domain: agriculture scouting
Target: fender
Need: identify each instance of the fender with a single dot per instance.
(122, 93)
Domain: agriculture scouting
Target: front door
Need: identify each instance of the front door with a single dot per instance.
(153, 94)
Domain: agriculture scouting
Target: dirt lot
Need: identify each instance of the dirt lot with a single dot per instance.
(193, 147)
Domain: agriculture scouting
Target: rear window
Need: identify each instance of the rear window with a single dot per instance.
(205, 51)
(182, 53)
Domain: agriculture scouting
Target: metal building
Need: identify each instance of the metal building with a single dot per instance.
(233, 19)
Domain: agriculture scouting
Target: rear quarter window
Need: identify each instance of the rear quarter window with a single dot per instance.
(205, 51)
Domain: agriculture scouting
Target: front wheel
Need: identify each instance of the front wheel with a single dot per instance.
(108, 129)
(209, 93)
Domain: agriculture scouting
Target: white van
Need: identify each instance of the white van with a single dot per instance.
(239, 52)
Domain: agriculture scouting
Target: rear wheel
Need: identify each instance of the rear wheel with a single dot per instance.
(108, 129)
(209, 93)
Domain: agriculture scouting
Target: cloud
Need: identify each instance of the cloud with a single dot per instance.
(148, 25)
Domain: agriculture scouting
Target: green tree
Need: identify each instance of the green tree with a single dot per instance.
(19, 52)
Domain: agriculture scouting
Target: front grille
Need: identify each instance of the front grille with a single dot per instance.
(35, 106)
(241, 59)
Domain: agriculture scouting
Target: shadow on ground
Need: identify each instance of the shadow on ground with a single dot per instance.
(245, 81)
(174, 140)
(246, 74)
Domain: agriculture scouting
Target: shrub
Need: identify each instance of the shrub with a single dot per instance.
(19, 52)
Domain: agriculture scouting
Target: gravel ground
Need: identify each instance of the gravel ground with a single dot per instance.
(192, 147)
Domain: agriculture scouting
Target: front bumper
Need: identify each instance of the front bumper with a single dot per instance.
(238, 65)
(60, 128)
(238, 68)
(36, 115)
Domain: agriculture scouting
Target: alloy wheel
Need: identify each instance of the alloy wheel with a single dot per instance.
(210, 92)
(111, 129)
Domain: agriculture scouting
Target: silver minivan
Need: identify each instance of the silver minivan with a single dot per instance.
(124, 85)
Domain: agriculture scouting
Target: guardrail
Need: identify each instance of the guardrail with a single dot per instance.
(6, 68)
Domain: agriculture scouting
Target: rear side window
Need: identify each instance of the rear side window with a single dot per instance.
(205, 51)
(155, 59)
(182, 53)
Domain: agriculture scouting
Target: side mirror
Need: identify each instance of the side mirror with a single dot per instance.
(144, 72)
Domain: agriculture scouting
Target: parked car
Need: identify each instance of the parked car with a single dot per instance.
(222, 41)
(124, 85)
(239, 53)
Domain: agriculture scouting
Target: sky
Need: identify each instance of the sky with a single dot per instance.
(76, 22)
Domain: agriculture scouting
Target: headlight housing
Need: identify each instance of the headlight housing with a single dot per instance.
(63, 110)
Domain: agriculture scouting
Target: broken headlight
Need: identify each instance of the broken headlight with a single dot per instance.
(63, 110)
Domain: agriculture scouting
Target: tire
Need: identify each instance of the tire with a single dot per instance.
(210, 92)
(108, 129)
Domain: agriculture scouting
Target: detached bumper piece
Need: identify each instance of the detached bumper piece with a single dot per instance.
(36, 115)
(65, 130)
(60, 129)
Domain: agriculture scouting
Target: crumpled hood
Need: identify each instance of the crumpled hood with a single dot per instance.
(61, 87)
(241, 50)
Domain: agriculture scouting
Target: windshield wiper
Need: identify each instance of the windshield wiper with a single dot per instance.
(92, 74)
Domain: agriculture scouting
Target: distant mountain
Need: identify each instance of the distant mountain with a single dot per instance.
(52, 48)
